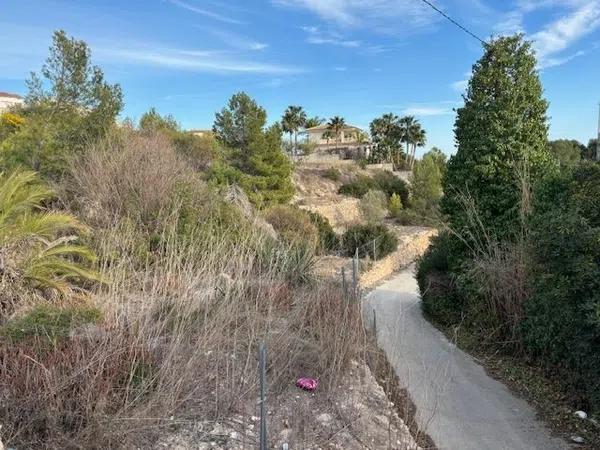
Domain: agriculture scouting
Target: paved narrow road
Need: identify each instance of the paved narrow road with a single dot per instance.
(458, 404)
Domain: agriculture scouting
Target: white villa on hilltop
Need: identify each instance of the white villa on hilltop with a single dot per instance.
(8, 100)
(348, 145)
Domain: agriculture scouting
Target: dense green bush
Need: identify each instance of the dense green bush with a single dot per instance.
(328, 240)
(373, 240)
(391, 184)
(562, 316)
(438, 290)
(382, 181)
(358, 187)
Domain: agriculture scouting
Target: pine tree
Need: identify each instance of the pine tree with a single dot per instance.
(253, 158)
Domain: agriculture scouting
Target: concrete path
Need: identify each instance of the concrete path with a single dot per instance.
(458, 404)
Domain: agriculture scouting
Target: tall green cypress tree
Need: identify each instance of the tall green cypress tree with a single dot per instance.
(500, 131)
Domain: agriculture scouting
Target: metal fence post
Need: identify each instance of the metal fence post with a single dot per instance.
(262, 358)
(355, 272)
(344, 284)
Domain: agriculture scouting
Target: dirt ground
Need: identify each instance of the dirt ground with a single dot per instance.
(355, 415)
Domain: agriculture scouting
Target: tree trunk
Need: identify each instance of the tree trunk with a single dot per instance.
(296, 142)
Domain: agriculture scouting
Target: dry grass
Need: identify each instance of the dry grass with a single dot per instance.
(129, 174)
(179, 338)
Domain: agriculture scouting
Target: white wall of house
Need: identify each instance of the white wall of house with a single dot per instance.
(7, 101)
(347, 137)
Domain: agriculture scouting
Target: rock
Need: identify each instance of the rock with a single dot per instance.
(577, 439)
(581, 414)
(325, 419)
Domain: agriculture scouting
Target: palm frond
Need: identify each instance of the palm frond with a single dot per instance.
(20, 193)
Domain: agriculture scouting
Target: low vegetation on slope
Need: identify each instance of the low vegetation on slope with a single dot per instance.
(149, 316)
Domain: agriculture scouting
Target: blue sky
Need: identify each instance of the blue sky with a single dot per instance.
(354, 58)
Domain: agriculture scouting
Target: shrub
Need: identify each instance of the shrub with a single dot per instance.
(358, 187)
(373, 206)
(426, 187)
(391, 184)
(395, 205)
(293, 224)
(328, 240)
(105, 186)
(375, 241)
(562, 325)
(440, 298)
(382, 180)
(333, 174)
(49, 322)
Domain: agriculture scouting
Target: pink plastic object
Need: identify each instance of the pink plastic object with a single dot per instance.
(308, 384)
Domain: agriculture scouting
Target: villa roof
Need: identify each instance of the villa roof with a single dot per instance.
(9, 95)
(326, 127)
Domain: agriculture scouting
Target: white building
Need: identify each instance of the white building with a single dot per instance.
(349, 144)
(8, 100)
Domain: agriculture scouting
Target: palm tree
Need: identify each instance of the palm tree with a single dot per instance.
(313, 122)
(327, 135)
(38, 247)
(407, 124)
(419, 140)
(336, 125)
(294, 118)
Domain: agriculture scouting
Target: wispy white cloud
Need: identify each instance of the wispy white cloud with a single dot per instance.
(319, 37)
(441, 108)
(340, 69)
(192, 60)
(385, 15)
(564, 32)
(235, 40)
(424, 110)
(577, 19)
(204, 12)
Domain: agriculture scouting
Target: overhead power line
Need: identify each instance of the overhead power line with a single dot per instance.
(435, 8)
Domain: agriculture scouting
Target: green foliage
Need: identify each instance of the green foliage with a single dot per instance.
(335, 126)
(49, 322)
(426, 186)
(395, 205)
(373, 206)
(567, 153)
(36, 246)
(382, 180)
(199, 151)
(440, 298)
(589, 153)
(562, 316)
(358, 187)
(293, 224)
(373, 240)
(293, 119)
(151, 120)
(391, 184)
(333, 174)
(328, 240)
(500, 131)
(386, 134)
(77, 108)
(253, 158)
